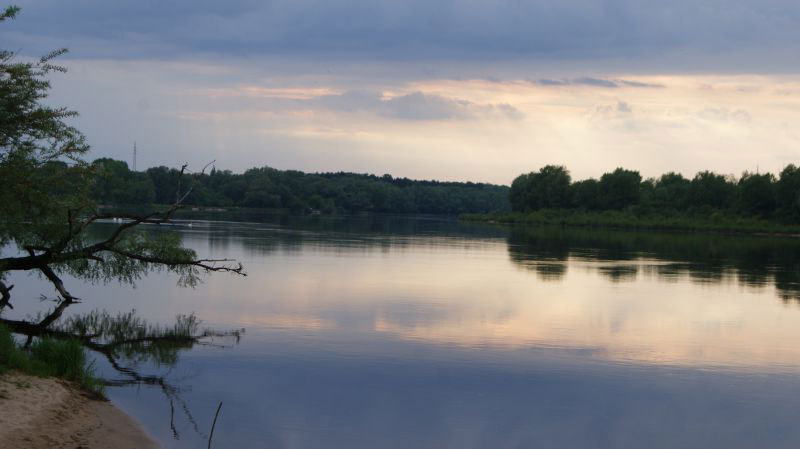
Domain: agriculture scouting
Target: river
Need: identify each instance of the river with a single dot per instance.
(385, 332)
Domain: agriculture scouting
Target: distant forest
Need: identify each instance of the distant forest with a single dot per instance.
(707, 194)
(296, 191)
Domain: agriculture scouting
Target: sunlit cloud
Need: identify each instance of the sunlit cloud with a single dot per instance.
(459, 129)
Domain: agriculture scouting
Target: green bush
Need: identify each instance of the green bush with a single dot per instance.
(49, 357)
(11, 357)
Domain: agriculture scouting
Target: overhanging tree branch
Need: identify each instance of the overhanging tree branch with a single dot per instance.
(60, 252)
(46, 203)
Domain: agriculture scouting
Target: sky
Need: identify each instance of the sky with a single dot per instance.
(434, 89)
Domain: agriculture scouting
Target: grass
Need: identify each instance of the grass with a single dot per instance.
(47, 357)
(630, 219)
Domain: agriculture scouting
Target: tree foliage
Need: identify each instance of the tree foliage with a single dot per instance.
(619, 189)
(671, 190)
(46, 202)
(751, 195)
(36, 145)
(711, 190)
(549, 188)
(297, 192)
(788, 192)
(756, 194)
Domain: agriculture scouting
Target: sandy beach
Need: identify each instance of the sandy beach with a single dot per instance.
(42, 413)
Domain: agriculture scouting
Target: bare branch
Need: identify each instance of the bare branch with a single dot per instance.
(178, 198)
(5, 296)
(207, 165)
(66, 297)
(200, 263)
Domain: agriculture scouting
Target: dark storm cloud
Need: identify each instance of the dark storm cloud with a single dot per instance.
(459, 30)
(595, 82)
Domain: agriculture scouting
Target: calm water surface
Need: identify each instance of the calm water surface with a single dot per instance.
(384, 332)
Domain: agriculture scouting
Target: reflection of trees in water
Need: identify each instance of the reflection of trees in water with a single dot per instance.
(546, 255)
(619, 273)
(751, 261)
(338, 235)
(127, 342)
(550, 271)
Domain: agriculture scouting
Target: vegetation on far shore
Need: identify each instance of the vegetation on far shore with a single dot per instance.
(753, 203)
(49, 357)
(294, 191)
(627, 219)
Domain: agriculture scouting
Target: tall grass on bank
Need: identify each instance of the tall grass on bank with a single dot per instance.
(48, 357)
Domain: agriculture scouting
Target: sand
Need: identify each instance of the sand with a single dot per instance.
(38, 413)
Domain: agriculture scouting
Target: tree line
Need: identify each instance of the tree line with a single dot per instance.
(761, 195)
(296, 191)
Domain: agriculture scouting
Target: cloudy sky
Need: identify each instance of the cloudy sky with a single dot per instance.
(445, 89)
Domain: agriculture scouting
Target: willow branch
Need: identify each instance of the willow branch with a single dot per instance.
(199, 263)
(55, 253)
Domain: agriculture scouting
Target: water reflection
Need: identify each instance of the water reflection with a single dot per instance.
(398, 333)
(751, 261)
(440, 282)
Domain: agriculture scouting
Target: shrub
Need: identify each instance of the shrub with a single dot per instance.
(49, 357)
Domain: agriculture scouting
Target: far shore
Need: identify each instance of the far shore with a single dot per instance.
(48, 413)
(714, 223)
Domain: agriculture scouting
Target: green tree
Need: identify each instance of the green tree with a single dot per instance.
(788, 190)
(756, 194)
(619, 189)
(111, 183)
(552, 186)
(261, 191)
(709, 189)
(586, 194)
(519, 195)
(39, 152)
(165, 182)
(671, 191)
(46, 206)
(546, 189)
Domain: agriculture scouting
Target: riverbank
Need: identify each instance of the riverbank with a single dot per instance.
(714, 222)
(48, 413)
